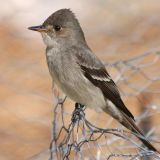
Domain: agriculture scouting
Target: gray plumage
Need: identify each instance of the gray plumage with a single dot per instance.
(78, 72)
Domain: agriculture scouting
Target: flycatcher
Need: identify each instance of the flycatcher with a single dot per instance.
(79, 73)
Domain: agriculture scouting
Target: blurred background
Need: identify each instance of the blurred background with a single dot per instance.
(115, 30)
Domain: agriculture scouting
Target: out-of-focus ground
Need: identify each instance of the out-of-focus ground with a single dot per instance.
(115, 30)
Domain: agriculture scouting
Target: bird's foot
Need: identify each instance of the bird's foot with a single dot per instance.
(78, 113)
(79, 106)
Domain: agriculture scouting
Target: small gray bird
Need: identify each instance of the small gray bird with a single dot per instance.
(79, 73)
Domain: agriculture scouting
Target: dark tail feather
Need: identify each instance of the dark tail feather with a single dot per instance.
(129, 123)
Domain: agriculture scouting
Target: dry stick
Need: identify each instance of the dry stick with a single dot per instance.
(76, 118)
(54, 139)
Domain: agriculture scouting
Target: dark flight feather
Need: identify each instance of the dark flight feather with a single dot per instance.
(108, 88)
(111, 92)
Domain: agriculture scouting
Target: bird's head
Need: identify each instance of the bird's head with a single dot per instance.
(60, 27)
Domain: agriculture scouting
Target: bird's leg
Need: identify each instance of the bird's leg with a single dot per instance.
(79, 106)
(78, 112)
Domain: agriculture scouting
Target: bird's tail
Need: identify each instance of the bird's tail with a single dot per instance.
(130, 124)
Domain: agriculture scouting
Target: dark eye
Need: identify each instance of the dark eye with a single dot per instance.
(57, 28)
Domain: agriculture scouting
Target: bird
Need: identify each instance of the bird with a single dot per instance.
(79, 73)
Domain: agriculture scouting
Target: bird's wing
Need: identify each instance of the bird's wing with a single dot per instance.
(96, 73)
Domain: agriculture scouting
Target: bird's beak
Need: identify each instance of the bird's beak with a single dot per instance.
(40, 28)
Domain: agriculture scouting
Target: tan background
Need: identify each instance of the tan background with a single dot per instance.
(115, 30)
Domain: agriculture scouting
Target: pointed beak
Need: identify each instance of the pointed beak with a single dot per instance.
(38, 28)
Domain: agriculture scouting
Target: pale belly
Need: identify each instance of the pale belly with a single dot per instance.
(82, 91)
(74, 84)
(90, 97)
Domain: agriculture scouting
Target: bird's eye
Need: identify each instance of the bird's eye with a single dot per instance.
(57, 28)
